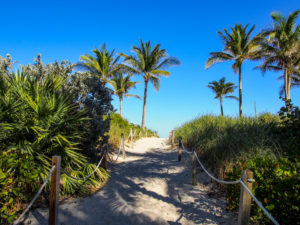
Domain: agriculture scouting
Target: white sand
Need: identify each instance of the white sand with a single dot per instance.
(149, 187)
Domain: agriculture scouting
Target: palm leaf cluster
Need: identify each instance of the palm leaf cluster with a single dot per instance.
(277, 47)
(121, 85)
(150, 62)
(103, 65)
(222, 89)
(238, 47)
(281, 49)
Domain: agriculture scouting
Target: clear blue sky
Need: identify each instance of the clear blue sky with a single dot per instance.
(187, 29)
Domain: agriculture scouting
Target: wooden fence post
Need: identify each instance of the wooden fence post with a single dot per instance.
(180, 149)
(130, 135)
(134, 134)
(173, 137)
(245, 199)
(54, 192)
(194, 172)
(123, 145)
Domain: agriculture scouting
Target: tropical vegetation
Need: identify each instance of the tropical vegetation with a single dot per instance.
(222, 89)
(121, 86)
(103, 65)
(281, 50)
(41, 117)
(266, 145)
(119, 125)
(238, 46)
(150, 63)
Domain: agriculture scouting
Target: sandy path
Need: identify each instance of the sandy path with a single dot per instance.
(149, 187)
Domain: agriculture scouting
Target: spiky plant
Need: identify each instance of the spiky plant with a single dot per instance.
(40, 120)
(150, 63)
(103, 65)
(121, 86)
(281, 50)
(238, 47)
(222, 89)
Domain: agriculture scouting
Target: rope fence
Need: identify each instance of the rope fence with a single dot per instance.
(35, 197)
(244, 214)
(88, 176)
(54, 173)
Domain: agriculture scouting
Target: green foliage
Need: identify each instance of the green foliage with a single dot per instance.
(17, 172)
(290, 129)
(236, 144)
(120, 125)
(277, 185)
(102, 66)
(281, 50)
(223, 141)
(39, 119)
(92, 95)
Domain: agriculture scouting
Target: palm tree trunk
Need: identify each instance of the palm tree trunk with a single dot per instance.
(221, 104)
(121, 101)
(144, 105)
(285, 84)
(240, 90)
(289, 79)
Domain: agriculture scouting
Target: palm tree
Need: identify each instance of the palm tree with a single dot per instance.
(103, 65)
(281, 51)
(150, 63)
(221, 89)
(238, 46)
(121, 86)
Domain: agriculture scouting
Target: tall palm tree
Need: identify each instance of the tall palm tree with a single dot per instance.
(238, 46)
(103, 65)
(121, 86)
(221, 89)
(281, 50)
(150, 63)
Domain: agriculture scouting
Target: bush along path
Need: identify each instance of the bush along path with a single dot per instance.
(150, 186)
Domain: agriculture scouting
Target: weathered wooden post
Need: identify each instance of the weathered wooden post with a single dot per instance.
(123, 145)
(180, 149)
(245, 199)
(194, 172)
(173, 138)
(130, 135)
(255, 109)
(134, 135)
(54, 192)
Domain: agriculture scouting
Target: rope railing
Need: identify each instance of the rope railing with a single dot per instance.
(88, 176)
(214, 178)
(239, 181)
(259, 203)
(35, 197)
(54, 173)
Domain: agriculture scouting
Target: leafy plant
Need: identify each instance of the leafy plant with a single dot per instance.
(38, 120)
(277, 185)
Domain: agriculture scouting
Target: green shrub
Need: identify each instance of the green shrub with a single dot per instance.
(235, 144)
(223, 141)
(38, 120)
(277, 185)
(119, 125)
